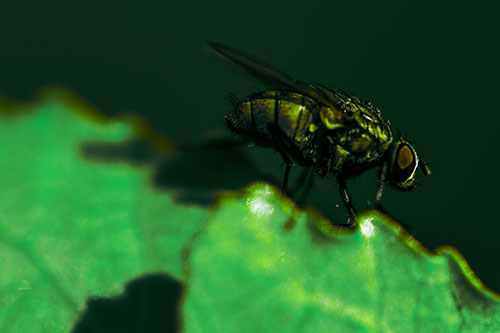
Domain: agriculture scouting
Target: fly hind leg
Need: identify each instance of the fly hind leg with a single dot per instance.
(280, 147)
(288, 151)
(344, 193)
(288, 167)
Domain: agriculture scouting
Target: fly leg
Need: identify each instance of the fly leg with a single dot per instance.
(289, 163)
(346, 198)
(380, 189)
(288, 151)
(382, 179)
(280, 147)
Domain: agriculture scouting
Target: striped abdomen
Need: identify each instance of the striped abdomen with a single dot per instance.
(291, 113)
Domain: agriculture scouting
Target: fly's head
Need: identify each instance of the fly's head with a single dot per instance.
(403, 163)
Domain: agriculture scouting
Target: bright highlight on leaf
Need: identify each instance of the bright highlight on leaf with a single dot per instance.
(366, 227)
(258, 204)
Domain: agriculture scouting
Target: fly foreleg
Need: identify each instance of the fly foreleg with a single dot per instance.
(382, 179)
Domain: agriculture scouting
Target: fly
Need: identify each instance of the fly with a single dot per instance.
(330, 130)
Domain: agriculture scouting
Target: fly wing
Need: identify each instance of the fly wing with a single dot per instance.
(272, 76)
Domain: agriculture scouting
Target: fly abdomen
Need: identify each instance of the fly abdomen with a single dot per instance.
(291, 113)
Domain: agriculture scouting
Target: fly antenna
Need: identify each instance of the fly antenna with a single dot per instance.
(424, 167)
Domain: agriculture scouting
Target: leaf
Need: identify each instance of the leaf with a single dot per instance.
(72, 227)
(250, 272)
(81, 216)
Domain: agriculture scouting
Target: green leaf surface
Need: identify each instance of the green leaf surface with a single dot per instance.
(251, 272)
(72, 227)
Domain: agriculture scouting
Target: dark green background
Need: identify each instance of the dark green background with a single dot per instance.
(432, 67)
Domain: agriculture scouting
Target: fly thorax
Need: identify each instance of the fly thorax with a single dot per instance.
(331, 118)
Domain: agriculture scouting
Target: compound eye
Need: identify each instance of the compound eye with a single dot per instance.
(404, 165)
(405, 157)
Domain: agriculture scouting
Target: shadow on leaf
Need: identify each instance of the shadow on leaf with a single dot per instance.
(148, 304)
(194, 176)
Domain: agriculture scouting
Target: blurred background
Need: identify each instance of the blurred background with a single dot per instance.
(431, 67)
